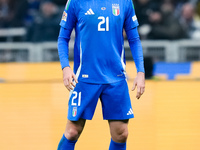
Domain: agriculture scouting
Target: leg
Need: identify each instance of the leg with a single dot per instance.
(82, 104)
(74, 129)
(72, 132)
(119, 134)
(117, 109)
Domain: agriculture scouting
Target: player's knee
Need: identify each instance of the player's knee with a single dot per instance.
(72, 134)
(121, 136)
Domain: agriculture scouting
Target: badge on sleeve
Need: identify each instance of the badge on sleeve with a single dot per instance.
(64, 17)
(134, 18)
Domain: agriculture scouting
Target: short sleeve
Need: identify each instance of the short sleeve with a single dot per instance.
(130, 16)
(68, 20)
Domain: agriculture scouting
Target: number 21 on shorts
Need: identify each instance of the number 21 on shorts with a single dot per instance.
(76, 99)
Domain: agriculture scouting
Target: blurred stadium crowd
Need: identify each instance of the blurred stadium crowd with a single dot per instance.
(168, 19)
(158, 19)
(37, 22)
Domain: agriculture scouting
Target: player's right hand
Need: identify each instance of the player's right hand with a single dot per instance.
(139, 82)
(68, 78)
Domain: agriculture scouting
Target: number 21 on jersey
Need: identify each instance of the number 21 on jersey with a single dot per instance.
(103, 21)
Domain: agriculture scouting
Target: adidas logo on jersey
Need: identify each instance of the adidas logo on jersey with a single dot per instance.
(130, 112)
(89, 12)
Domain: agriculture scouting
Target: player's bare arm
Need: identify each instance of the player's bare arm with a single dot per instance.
(139, 82)
(68, 78)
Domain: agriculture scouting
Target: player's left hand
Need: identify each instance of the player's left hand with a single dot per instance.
(139, 82)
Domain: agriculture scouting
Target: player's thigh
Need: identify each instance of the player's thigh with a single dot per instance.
(116, 102)
(83, 100)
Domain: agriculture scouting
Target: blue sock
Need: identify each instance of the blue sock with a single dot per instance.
(117, 146)
(66, 144)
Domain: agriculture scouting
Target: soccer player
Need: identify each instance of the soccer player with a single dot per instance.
(99, 66)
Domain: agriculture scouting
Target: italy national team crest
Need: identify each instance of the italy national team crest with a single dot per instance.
(115, 9)
(74, 111)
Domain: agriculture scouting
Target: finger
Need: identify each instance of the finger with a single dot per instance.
(74, 77)
(138, 96)
(70, 81)
(138, 93)
(73, 84)
(134, 86)
(66, 83)
(69, 87)
(142, 90)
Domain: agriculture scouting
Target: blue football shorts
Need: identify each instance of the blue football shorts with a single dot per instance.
(115, 100)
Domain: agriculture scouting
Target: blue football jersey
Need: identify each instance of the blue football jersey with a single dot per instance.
(99, 44)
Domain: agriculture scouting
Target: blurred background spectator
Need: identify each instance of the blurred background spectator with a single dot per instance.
(143, 9)
(12, 13)
(164, 24)
(168, 19)
(188, 22)
(47, 20)
(33, 10)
